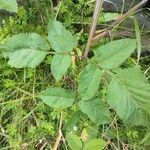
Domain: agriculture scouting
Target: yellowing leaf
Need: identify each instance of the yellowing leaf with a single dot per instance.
(95, 144)
(84, 135)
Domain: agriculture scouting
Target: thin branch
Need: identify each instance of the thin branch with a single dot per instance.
(44, 145)
(98, 6)
(58, 139)
(118, 21)
(130, 12)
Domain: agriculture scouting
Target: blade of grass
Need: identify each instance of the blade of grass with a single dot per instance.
(138, 38)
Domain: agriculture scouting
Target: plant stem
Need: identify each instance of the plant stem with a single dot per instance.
(118, 21)
(98, 6)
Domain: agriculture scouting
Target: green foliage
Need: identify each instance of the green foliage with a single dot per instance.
(89, 81)
(73, 121)
(102, 99)
(146, 139)
(138, 89)
(97, 144)
(96, 111)
(132, 96)
(25, 50)
(60, 39)
(57, 97)
(126, 105)
(114, 53)
(108, 17)
(74, 141)
(60, 65)
(75, 12)
(138, 38)
(10, 5)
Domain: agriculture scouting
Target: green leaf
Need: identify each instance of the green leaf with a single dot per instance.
(26, 58)
(25, 50)
(131, 73)
(60, 65)
(73, 120)
(114, 53)
(96, 110)
(108, 17)
(92, 131)
(146, 139)
(95, 144)
(138, 38)
(57, 97)
(9, 5)
(89, 81)
(74, 141)
(60, 39)
(130, 97)
(137, 86)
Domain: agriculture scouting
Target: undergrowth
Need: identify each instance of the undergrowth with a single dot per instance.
(27, 122)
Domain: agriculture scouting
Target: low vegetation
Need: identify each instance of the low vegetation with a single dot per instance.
(53, 98)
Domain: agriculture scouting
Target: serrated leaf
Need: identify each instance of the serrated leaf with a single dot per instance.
(57, 97)
(137, 86)
(95, 144)
(114, 53)
(60, 39)
(96, 110)
(9, 5)
(131, 73)
(26, 58)
(60, 65)
(24, 40)
(130, 97)
(89, 81)
(25, 50)
(74, 141)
